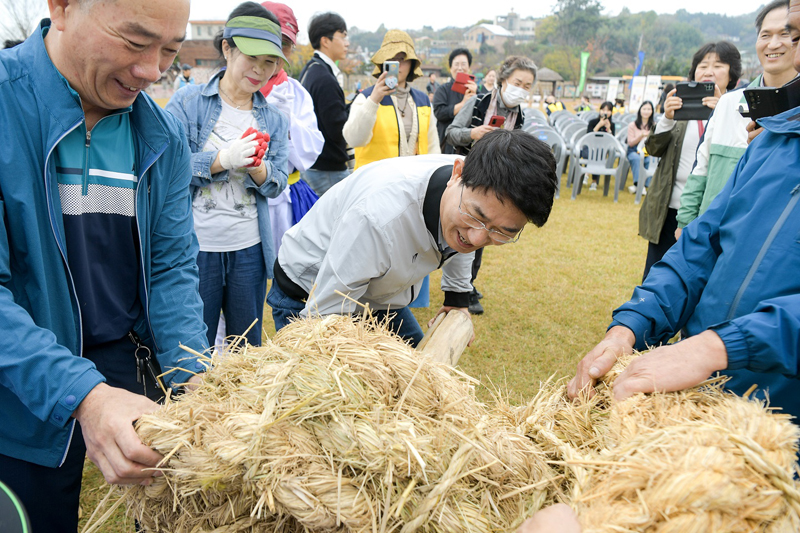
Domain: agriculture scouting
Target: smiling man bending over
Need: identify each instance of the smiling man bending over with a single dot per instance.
(377, 234)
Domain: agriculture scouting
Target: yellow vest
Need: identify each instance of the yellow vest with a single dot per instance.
(558, 106)
(385, 142)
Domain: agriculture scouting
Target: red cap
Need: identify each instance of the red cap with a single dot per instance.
(286, 17)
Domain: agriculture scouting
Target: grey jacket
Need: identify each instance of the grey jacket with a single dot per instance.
(368, 237)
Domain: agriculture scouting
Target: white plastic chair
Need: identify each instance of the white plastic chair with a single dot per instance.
(597, 153)
(559, 148)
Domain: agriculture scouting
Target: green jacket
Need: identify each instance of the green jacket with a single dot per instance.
(720, 149)
(667, 146)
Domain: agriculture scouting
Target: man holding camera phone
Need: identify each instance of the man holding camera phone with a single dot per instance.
(447, 102)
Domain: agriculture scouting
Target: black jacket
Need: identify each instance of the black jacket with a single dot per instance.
(444, 101)
(331, 110)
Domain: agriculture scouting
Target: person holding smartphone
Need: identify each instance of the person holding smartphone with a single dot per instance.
(501, 108)
(602, 123)
(391, 118)
(725, 138)
(675, 142)
(447, 102)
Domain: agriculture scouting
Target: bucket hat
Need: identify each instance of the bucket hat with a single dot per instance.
(394, 42)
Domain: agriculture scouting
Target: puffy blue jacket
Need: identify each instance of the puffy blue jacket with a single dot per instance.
(198, 107)
(736, 270)
(43, 377)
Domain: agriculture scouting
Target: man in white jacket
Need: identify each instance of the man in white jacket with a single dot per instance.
(374, 236)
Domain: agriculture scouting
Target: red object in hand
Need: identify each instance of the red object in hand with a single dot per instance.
(262, 138)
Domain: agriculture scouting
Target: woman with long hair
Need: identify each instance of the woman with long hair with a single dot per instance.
(638, 131)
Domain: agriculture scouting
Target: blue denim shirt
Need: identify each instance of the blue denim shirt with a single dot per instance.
(198, 107)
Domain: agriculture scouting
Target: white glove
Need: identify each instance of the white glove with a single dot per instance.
(283, 101)
(239, 154)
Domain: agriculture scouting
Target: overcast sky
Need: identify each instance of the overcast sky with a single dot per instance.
(440, 13)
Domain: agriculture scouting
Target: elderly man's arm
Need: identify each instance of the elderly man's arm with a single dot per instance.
(663, 304)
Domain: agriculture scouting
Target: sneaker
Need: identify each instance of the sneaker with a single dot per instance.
(479, 293)
(632, 189)
(644, 192)
(475, 307)
(593, 186)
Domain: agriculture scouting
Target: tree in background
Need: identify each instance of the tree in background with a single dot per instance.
(18, 18)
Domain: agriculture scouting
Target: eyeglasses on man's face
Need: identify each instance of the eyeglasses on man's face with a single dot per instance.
(496, 236)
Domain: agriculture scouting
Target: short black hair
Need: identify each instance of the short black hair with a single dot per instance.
(325, 25)
(607, 104)
(460, 52)
(769, 8)
(518, 168)
(727, 53)
(11, 43)
(245, 9)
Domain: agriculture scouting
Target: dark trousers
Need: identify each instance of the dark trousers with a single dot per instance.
(236, 284)
(665, 241)
(401, 321)
(51, 495)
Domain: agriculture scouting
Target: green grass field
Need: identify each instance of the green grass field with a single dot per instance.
(548, 300)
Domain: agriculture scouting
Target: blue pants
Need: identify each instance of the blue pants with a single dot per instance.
(401, 321)
(635, 159)
(51, 495)
(236, 284)
(322, 180)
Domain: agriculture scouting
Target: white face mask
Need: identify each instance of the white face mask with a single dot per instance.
(514, 96)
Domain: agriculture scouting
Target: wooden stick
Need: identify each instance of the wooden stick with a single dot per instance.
(449, 339)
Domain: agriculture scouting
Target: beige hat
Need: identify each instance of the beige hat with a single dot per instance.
(394, 42)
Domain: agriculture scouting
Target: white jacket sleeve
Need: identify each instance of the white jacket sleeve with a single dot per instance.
(305, 139)
(433, 137)
(357, 253)
(457, 273)
(357, 130)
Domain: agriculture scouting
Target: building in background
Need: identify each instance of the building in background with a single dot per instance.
(523, 29)
(487, 35)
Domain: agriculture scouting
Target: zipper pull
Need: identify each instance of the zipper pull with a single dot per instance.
(88, 137)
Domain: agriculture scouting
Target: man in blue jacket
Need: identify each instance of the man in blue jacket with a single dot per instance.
(97, 250)
(731, 282)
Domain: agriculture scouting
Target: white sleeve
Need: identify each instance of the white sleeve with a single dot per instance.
(305, 139)
(457, 273)
(433, 136)
(665, 124)
(358, 252)
(357, 130)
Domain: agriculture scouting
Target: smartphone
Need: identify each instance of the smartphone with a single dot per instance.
(497, 121)
(770, 101)
(692, 94)
(392, 69)
(461, 81)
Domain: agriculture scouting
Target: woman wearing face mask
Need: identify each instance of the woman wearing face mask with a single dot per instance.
(516, 77)
(675, 142)
(231, 176)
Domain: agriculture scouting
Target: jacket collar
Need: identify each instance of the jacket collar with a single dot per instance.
(211, 89)
(433, 200)
(787, 122)
(52, 92)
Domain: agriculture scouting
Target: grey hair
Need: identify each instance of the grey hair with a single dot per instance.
(513, 63)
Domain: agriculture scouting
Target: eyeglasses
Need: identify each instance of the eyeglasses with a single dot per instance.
(288, 44)
(496, 236)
